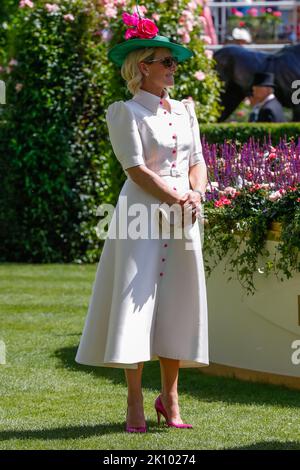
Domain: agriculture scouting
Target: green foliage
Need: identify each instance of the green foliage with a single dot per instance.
(241, 132)
(239, 228)
(52, 128)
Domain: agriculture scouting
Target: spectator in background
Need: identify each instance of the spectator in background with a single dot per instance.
(241, 36)
(266, 107)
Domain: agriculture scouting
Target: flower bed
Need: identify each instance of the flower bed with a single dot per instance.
(263, 23)
(251, 188)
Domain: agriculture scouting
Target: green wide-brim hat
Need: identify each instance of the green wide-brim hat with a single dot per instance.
(119, 52)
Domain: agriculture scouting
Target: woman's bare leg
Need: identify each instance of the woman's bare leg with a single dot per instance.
(169, 369)
(135, 403)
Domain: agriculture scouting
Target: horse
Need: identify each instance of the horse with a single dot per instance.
(237, 65)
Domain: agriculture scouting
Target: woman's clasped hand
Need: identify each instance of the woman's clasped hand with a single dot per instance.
(190, 203)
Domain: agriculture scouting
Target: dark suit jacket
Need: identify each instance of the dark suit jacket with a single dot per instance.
(271, 111)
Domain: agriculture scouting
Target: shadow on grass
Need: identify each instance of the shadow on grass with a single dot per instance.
(74, 432)
(270, 445)
(192, 382)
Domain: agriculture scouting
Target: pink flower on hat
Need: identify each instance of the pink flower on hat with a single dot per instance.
(130, 20)
(147, 29)
(143, 28)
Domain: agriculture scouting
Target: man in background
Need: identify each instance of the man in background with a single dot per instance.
(266, 107)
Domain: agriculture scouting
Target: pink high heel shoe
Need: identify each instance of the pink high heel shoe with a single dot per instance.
(134, 428)
(160, 409)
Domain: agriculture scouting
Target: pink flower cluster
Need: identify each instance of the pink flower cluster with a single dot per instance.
(189, 19)
(199, 75)
(111, 8)
(141, 28)
(223, 201)
(69, 17)
(254, 12)
(26, 3)
(51, 7)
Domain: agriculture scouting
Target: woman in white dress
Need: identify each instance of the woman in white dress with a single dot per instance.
(149, 295)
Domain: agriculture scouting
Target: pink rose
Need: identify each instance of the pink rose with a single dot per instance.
(208, 53)
(199, 75)
(111, 11)
(13, 62)
(51, 8)
(230, 190)
(146, 29)
(69, 17)
(275, 196)
(26, 3)
(277, 13)
(186, 38)
(155, 16)
(192, 5)
(253, 12)
(223, 201)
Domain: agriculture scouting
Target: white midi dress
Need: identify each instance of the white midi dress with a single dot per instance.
(149, 294)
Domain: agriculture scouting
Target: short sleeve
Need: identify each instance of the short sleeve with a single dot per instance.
(196, 154)
(124, 135)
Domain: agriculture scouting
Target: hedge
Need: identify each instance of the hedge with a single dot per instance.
(242, 132)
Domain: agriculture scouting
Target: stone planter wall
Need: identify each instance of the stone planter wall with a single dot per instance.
(252, 337)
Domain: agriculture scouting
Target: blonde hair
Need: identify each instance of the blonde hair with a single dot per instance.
(130, 70)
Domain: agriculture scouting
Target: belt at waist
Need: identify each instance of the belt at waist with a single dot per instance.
(172, 172)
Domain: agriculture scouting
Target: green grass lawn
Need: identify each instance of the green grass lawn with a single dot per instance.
(50, 402)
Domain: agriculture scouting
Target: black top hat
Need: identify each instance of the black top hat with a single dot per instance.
(263, 79)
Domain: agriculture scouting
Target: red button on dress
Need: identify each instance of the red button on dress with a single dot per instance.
(170, 124)
(175, 189)
(161, 274)
(174, 164)
(163, 259)
(165, 112)
(165, 245)
(174, 151)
